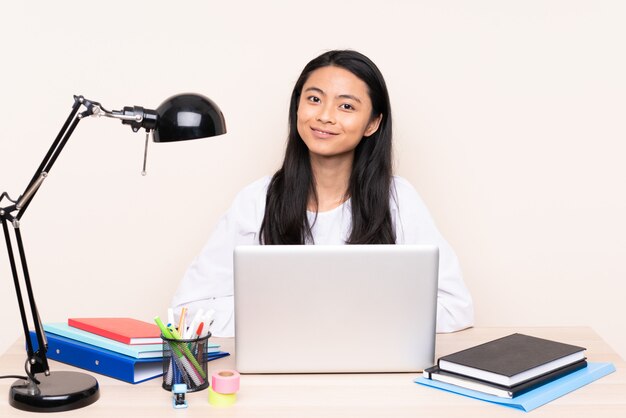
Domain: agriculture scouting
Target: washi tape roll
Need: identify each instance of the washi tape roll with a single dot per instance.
(225, 381)
(221, 399)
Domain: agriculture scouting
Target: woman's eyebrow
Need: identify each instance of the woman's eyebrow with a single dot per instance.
(340, 96)
(316, 89)
(350, 97)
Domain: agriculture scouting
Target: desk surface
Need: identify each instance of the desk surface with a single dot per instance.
(346, 395)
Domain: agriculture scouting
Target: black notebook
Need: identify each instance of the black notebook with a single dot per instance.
(511, 360)
(434, 373)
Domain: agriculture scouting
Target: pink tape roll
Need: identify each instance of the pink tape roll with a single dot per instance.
(225, 381)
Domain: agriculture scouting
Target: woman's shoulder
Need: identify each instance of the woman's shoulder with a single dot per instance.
(248, 207)
(405, 197)
(252, 196)
(402, 188)
(256, 188)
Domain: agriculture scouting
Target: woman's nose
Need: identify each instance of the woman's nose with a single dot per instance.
(326, 114)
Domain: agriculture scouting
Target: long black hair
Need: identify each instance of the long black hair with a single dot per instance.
(285, 220)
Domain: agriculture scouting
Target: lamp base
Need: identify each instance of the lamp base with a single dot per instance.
(60, 391)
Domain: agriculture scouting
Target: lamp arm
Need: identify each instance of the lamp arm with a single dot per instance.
(37, 360)
(137, 117)
(49, 159)
(13, 213)
(20, 299)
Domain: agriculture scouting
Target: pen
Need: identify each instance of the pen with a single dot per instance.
(182, 370)
(164, 330)
(199, 330)
(208, 321)
(200, 348)
(188, 353)
(188, 334)
(166, 333)
(185, 357)
(170, 315)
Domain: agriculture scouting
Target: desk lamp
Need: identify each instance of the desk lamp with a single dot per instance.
(181, 117)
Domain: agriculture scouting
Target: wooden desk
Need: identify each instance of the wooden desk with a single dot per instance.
(346, 395)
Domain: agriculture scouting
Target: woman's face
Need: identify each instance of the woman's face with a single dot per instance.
(334, 113)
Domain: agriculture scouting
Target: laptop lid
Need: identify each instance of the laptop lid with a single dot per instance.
(335, 308)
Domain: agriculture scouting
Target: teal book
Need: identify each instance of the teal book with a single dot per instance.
(536, 397)
(136, 351)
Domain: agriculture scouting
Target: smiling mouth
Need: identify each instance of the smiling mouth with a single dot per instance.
(323, 132)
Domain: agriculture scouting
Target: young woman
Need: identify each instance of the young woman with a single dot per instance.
(335, 187)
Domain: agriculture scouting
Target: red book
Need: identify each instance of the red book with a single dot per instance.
(125, 330)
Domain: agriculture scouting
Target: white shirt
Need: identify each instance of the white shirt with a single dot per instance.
(208, 282)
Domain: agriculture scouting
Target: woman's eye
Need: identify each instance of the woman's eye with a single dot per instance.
(313, 99)
(347, 106)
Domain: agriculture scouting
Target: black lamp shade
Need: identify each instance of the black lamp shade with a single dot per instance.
(188, 116)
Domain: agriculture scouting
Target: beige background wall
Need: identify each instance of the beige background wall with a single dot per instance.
(510, 119)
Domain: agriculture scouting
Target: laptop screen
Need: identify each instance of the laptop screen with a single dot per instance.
(335, 308)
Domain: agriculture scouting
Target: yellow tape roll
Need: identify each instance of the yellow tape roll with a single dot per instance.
(220, 399)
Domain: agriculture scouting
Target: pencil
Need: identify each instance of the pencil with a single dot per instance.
(181, 322)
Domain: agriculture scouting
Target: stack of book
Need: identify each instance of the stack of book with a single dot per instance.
(508, 366)
(516, 367)
(123, 348)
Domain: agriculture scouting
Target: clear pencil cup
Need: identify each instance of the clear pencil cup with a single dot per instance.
(185, 361)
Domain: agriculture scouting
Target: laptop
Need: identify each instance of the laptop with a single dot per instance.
(335, 308)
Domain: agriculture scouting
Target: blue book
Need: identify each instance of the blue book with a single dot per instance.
(136, 351)
(536, 397)
(98, 360)
(106, 362)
